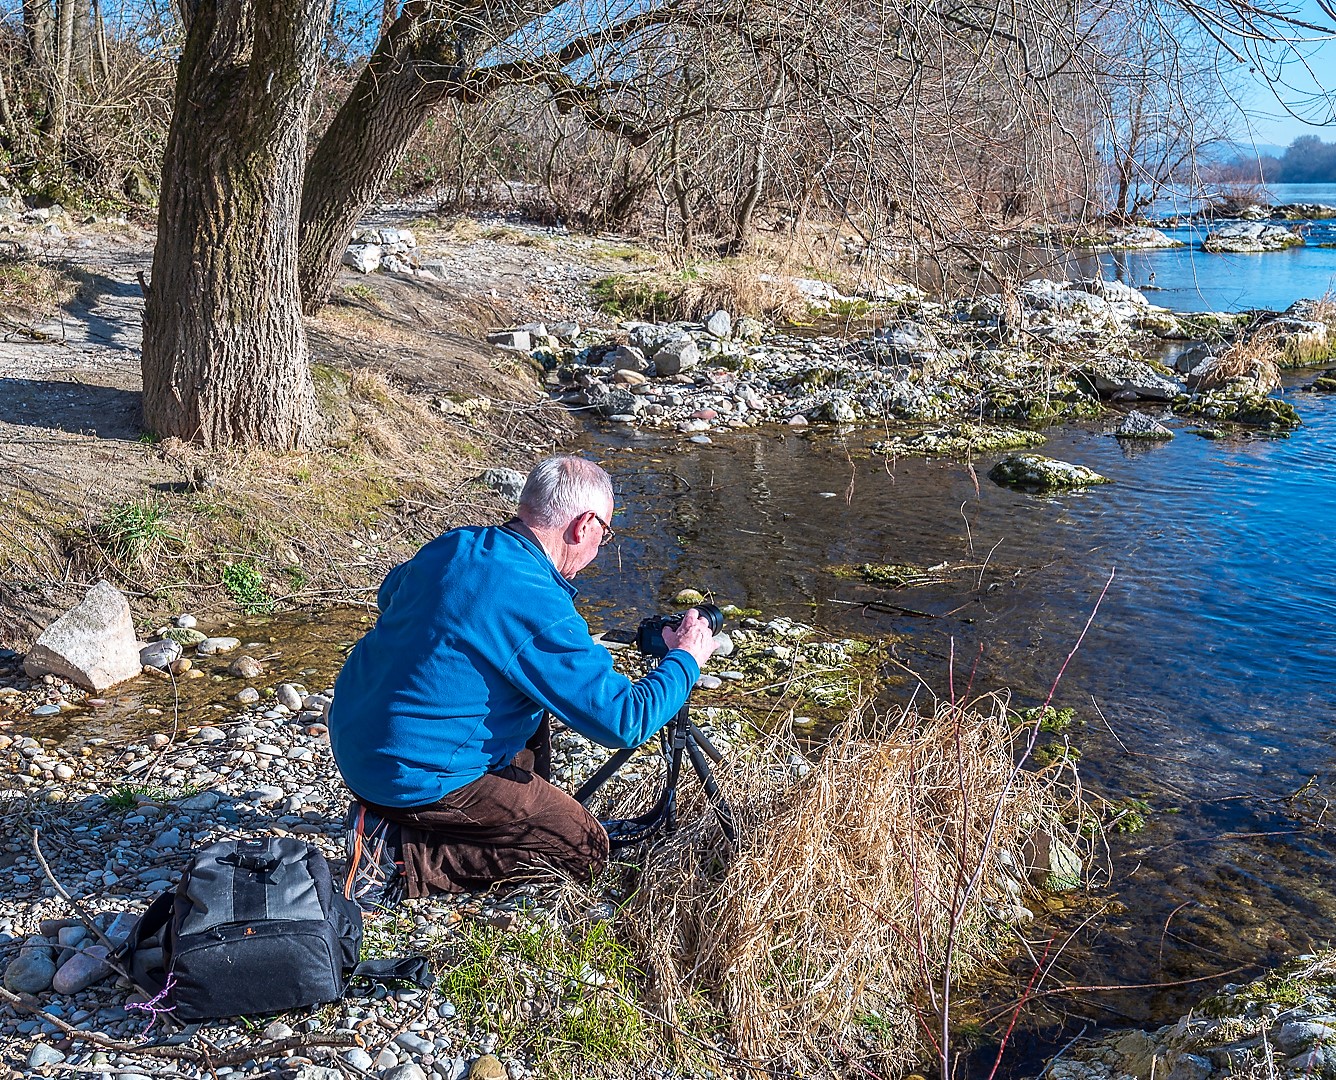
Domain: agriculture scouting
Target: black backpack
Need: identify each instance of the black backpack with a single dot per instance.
(254, 926)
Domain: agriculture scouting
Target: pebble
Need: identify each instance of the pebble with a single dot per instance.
(408, 1071)
(357, 1058)
(289, 696)
(187, 622)
(487, 1067)
(46, 710)
(248, 695)
(210, 735)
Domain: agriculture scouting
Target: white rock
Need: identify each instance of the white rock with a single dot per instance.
(93, 644)
(363, 258)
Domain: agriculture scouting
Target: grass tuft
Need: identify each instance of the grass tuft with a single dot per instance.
(133, 536)
(861, 878)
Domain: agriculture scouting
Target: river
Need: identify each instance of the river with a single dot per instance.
(1203, 685)
(1190, 279)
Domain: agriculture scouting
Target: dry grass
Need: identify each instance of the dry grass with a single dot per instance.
(738, 287)
(1255, 360)
(855, 885)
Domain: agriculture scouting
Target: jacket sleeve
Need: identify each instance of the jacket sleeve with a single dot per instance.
(571, 676)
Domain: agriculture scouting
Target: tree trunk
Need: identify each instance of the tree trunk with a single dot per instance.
(225, 357)
(759, 172)
(365, 142)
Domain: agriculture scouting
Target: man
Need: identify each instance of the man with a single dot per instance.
(438, 719)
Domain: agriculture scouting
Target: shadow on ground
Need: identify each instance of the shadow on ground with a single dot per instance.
(74, 407)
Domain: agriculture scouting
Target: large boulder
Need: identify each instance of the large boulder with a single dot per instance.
(93, 644)
(626, 358)
(1115, 292)
(505, 482)
(1248, 237)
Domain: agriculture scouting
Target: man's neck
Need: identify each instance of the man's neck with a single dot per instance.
(547, 539)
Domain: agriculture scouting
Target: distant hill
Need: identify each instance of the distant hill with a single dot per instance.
(1307, 160)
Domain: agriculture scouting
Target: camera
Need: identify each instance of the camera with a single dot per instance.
(649, 634)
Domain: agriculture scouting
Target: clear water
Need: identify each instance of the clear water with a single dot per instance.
(1190, 279)
(1203, 686)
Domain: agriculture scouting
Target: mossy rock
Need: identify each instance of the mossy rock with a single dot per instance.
(1267, 413)
(960, 440)
(1325, 382)
(889, 575)
(1066, 403)
(1213, 326)
(1034, 472)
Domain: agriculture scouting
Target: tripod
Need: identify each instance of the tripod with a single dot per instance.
(678, 735)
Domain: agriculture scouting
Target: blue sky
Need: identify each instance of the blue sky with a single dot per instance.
(1310, 91)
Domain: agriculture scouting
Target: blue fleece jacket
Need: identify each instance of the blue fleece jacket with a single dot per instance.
(477, 636)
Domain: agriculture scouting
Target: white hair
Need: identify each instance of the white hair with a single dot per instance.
(560, 489)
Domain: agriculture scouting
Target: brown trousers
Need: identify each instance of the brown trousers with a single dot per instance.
(507, 824)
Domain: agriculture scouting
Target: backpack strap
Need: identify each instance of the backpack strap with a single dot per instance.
(412, 969)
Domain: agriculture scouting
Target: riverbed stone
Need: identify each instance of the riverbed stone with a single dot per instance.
(675, 356)
(1034, 472)
(187, 636)
(215, 645)
(487, 1067)
(1052, 862)
(93, 644)
(627, 358)
(160, 654)
(42, 1056)
(81, 970)
(32, 970)
(245, 667)
(1118, 375)
(1137, 425)
(719, 324)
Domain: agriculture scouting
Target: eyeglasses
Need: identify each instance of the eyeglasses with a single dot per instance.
(608, 535)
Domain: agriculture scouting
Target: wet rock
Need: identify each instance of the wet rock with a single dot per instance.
(612, 401)
(1034, 472)
(184, 635)
(160, 654)
(1053, 864)
(289, 696)
(1251, 237)
(92, 644)
(1138, 425)
(214, 645)
(245, 667)
(689, 597)
(507, 483)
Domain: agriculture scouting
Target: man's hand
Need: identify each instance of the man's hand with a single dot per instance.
(692, 635)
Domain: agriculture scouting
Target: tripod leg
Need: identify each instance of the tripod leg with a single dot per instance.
(590, 786)
(721, 808)
(703, 741)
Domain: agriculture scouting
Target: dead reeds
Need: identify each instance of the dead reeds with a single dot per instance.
(1254, 360)
(864, 877)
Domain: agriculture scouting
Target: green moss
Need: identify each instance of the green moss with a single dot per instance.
(1049, 718)
(1213, 326)
(1128, 815)
(1037, 408)
(244, 584)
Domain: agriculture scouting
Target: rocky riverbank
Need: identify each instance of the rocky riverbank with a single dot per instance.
(1282, 1025)
(116, 819)
(1057, 350)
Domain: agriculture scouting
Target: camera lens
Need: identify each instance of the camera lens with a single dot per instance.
(712, 615)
